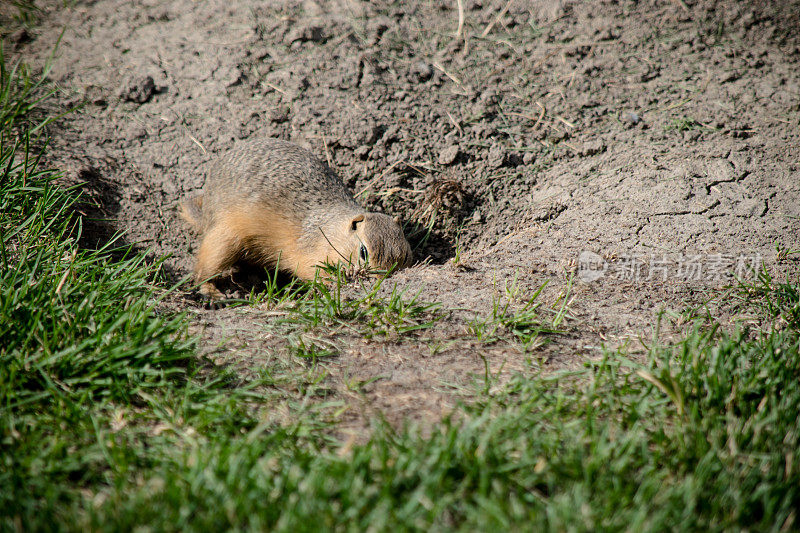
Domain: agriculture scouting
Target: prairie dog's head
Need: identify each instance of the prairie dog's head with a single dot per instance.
(376, 240)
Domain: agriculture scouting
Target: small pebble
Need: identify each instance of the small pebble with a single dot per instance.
(592, 148)
(631, 118)
(280, 114)
(307, 33)
(729, 77)
(448, 155)
(362, 152)
(420, 72)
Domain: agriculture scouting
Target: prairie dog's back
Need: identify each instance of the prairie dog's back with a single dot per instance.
(276, 174)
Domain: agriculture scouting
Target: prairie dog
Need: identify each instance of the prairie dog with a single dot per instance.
(273, 202)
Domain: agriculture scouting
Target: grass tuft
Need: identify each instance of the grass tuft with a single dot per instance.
(517, 319)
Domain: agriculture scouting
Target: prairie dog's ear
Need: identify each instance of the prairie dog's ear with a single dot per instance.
(355, 221)
(397, 220)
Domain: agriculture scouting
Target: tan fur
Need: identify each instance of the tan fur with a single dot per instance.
(271, 202)
(191, 211)
(266, 236)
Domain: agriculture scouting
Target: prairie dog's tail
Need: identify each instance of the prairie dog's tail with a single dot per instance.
(191, 210)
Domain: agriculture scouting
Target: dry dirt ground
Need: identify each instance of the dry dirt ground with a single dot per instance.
(659, 138)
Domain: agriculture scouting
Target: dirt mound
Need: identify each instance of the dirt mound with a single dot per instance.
(651, 148)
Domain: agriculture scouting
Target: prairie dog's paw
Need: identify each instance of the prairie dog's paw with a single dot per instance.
(211, 296)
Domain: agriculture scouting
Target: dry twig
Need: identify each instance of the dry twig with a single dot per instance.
(460, 19)
(496, 19)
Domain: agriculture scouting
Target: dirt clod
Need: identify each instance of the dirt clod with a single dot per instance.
(20, 37)
(280, 114)
(496, 157)
(138, 88)
(306, 33)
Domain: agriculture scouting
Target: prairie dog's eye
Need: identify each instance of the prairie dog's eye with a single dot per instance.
(362, 253)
